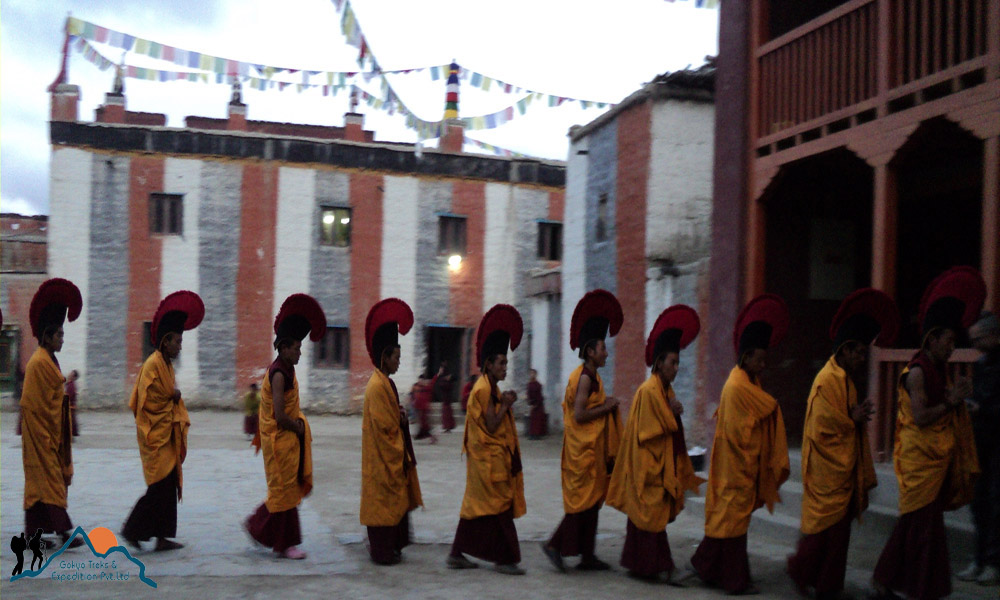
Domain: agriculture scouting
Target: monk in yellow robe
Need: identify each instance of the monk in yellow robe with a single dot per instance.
(46, 428)
(494, 484)
(390, 488)
(837, 468)
(591, 434)
(749, 453)
(653, 469)
(934, 455)
(161, 423)
(284, 434)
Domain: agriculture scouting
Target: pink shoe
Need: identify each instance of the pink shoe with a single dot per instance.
(292, 553)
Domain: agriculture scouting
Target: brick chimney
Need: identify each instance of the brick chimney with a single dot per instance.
(354, 127)
(454, 136)
(64, 102)
(113, 109)
(237, 110)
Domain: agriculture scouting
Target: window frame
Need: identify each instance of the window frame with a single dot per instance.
(452, 234)
(339, 213)
(166, 213)
(337, 335)
(549, 245)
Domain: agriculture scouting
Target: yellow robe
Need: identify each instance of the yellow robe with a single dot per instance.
(45, 432)
(649, 479)
(389, 484)
(490, 489)
(749, 457)
(161, 424)
(588, 448)
(837, 468)
(289, 479)
(929, 457)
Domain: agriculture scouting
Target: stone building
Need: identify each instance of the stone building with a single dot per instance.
(637, 223)
(246, 212)
(23, 255)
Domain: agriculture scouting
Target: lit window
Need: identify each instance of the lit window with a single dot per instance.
(335, 226)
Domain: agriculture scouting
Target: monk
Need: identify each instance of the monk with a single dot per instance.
(749, 453)
(837, 467)
(935, 454)
(538, 419)
(591, 434)
(161, 423)
(494, 486)
(46, 439)
(390, 488)
(653, 470)
(284, 434)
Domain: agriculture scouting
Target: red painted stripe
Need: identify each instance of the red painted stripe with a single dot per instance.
(255, 274)
(366, 267)
(145, 252)
(466, 284)
(557, 205)
(634, 140)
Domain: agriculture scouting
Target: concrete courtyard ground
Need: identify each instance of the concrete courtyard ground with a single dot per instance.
(224, 482)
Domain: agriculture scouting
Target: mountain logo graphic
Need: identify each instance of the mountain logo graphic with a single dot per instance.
(102, 543)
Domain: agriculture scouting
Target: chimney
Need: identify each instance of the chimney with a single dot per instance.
(113, 110)
(454, 134)
(237, 110)
(64, 103)
(354, 127)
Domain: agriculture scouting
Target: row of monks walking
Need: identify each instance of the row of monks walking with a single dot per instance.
(641, 469)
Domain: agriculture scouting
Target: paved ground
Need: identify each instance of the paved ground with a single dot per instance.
(224, 482)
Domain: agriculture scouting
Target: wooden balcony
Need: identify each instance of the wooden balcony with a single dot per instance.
(866, 59)
(886, 365)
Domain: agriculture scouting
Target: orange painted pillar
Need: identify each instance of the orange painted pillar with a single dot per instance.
(884, 230)
(756, 249)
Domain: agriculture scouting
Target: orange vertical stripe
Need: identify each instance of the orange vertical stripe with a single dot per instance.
(466, 284)
(255, 274)
(366, 267)
(634, 141)
(145, 252)
(557, 205)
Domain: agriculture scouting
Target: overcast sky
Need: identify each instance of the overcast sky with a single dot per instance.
(590, 49)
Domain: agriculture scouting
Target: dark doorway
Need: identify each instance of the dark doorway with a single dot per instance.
(818, 245)
(939, 179)
(446, 344)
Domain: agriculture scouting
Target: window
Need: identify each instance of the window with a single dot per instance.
(549, 240)
(335, 226)
(602, 218)
(451, 235)
(166, 213)
(334, 350)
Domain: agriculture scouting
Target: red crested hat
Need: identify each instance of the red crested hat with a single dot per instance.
(675, 328)
(56, 300)
(177, 313)
(866, 315)
(386, 321)
(300, 315)
(953, 300)
(499, 328)
(762, 323)
(596, 315)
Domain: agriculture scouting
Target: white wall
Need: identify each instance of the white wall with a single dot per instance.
(179, 263)
(574, 280)
(70, 188)
(296, 196)
(400, 202)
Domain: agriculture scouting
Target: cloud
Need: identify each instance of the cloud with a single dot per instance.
(21, 206)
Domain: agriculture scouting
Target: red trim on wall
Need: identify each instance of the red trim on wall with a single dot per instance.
(255, 273)
(366, 271)
(634, 148)
(466, 284)
(557, 205)
(145, 254)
